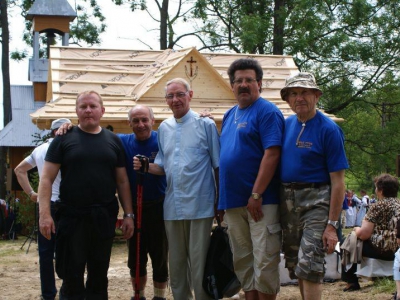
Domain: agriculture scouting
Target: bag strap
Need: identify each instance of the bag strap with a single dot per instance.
(218, 220)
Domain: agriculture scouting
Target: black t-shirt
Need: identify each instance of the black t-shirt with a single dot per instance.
(88, 166)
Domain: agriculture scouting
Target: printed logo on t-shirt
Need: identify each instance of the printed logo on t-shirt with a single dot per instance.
(241, 125)
(302, 144)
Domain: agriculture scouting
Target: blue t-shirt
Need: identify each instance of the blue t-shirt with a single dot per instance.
(153, 185)
(320, 150)
(245, 135)
(345, 204)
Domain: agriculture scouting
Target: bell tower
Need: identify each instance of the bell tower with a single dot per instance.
(49, 17)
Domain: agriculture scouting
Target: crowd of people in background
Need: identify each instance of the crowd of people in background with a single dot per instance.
(278, 184)
(356, 207)
(376, 237)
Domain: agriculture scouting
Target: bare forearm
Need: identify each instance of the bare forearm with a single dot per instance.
(365, 231)
(22, 178)
(156, 169)
(337, 192)
(21, 171)
(44, 197)
(267, 169)
(125, 198)
(49, 173)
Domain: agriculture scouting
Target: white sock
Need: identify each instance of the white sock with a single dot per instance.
(159, 292)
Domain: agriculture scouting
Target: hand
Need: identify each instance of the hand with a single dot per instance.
(219, 213)
(136, 163)
(127, 228)
(206, 114)
(34, 197)
(46, 225)
(144, 163)
(254, 207)
(63, 129)
(329, 239)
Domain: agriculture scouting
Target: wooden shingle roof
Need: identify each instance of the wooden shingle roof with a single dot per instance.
(126, 78)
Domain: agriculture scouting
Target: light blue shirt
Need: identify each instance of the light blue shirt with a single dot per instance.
(189, 153)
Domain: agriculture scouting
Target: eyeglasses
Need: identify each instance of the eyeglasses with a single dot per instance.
(239, 81)
(180, 95)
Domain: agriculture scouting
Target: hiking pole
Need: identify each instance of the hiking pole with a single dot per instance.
(140, 178)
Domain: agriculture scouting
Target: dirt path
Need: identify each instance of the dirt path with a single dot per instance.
(19, 278)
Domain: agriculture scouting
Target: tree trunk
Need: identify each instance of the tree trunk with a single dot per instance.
(279, 23)
(5, 68)
(164, 25)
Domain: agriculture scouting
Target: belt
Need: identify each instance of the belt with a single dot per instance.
(304, 185)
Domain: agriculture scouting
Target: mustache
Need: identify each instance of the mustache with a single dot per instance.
(244, 90)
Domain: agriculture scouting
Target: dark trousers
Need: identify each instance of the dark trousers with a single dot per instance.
(86, 248)
(153, 242)
(46, 258)
(368, 251)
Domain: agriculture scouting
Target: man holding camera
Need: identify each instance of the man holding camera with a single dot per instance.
(153, 239)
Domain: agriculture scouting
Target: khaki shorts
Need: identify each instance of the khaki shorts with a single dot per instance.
(304, 215)
(256, 248)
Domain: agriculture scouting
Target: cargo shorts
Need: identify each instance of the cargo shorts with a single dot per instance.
(256, 248)
(304, 216)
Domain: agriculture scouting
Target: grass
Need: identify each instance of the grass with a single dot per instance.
(346, 231)
(381, 285)
(7, 248)
(384, 285)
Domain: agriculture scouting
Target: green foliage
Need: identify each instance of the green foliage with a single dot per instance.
(134, 5)
(26, 213)
(352, 47)
(384, 285)
(19, 55)
(241, 26)
(371, 128)
(86, 28)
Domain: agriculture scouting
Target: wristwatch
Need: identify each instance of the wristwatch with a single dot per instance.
(334, 223)
(255, 196)
(129, 216)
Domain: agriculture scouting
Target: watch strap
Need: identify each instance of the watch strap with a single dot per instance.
(334, 223)
(129, 216)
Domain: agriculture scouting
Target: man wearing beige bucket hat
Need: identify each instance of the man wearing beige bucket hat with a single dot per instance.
(313, 163)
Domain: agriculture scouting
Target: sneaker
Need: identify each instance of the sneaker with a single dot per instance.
(141, 298)
(158, 298)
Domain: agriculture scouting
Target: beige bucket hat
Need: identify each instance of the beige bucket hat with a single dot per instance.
(302, 79)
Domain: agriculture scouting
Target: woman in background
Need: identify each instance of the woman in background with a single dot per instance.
(378, 229)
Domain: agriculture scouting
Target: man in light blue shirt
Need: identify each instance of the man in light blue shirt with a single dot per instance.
(189, 157)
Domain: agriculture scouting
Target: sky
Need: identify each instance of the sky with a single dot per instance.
(124, 28)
